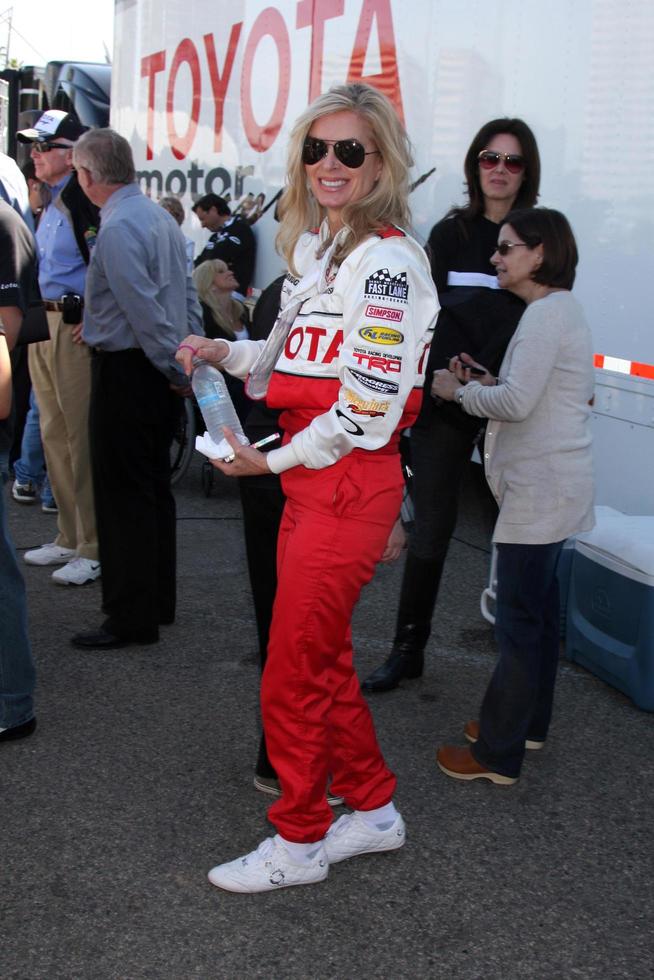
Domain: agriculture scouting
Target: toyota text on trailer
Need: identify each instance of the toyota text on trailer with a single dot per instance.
(207, 92)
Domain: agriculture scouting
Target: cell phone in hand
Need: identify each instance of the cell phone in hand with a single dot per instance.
(477, 372)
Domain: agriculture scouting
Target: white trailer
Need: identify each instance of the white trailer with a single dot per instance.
(207, 91)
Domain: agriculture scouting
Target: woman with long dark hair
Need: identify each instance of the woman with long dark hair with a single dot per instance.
(502, 171)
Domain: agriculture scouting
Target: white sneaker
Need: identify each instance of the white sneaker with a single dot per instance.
(79, 571)
(49, 554)
(24, 493)
(268, 868)
(351, 835)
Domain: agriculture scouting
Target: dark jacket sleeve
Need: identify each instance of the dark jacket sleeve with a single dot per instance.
(440, 249)
(85, 215)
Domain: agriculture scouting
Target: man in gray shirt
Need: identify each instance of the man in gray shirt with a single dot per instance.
(139, 304)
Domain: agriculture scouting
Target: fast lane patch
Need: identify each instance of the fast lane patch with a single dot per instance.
(382, 285)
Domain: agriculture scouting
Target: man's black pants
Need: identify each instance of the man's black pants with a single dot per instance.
(130, 425)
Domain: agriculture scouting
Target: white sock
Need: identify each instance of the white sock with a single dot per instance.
(382, 818)
(301, 853)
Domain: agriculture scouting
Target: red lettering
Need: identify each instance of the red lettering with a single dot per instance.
(388, 80)
(387, 365)
(185, 53)
(269, 22)
(151, 65)
(288, 349)
(334, 348)
(219, 82)
(315, 333)
(313, 14)
(295, 342)
(392, 365)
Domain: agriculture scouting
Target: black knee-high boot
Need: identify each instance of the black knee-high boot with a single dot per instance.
(417, 600)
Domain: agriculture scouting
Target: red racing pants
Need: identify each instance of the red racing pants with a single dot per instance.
(334, 530)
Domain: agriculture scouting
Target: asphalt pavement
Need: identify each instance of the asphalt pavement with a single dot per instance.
(139, 779)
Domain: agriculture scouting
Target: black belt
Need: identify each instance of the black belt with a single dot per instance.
(125, 350)
(53, 306)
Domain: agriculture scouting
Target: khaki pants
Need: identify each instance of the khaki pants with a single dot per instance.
(61, 376)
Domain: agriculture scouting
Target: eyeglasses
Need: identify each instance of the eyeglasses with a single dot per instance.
(46, 147)
(504, 247)
(489, 159)
(350, 153)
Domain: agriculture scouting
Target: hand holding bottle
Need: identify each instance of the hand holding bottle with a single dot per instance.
(215, 403)
(194, 348)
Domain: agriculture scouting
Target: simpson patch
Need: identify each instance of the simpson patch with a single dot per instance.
(384, 313)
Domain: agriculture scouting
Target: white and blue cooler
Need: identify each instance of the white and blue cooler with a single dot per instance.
(610, 614)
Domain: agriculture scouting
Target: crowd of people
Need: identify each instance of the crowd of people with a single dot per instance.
(479, 326)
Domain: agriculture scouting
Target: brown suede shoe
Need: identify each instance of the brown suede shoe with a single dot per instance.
(471, 732)
(461, 764)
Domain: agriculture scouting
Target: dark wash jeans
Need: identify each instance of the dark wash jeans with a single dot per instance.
(518, 701)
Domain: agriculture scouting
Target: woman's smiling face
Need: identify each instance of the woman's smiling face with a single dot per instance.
(333, 184)
(516, 268)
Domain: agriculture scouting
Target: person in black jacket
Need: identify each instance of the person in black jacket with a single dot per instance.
(232, 240)
(502, 171)
(60, 368)
(263, 500)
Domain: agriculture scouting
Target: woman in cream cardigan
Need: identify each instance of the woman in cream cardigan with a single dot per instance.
(538, 464)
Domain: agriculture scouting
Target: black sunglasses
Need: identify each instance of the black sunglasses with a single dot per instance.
(350, 153)
(46, 147)
(489, 159)
(505, 247)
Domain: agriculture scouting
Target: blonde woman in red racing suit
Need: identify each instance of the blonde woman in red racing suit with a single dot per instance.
(345, 362)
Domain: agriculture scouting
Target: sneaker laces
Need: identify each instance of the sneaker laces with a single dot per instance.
(340, 826)
(263, 851)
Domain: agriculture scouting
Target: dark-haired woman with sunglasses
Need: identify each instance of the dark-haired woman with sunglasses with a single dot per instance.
(345, 362)
(502, 170)
(538, 463)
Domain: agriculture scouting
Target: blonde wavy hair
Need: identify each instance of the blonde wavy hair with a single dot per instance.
(226, 310)
(388, 201)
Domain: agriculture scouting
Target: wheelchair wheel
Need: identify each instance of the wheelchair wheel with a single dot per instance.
(183, 444)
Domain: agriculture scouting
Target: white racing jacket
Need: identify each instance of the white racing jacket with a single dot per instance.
(351, 374)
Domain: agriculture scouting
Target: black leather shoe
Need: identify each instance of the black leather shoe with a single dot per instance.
(399, 666)
(18, 731)
(102, 639)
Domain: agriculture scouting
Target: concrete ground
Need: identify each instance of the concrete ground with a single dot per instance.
(139, 779)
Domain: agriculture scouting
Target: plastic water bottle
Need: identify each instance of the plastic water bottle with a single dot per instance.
(216, 405)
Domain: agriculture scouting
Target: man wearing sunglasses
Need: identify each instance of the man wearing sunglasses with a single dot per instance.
(232, 239)
(60, 368)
